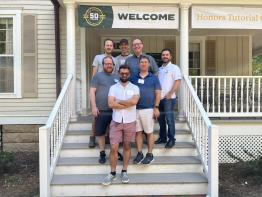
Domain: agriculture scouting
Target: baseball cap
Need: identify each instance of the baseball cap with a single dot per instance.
(123, 41)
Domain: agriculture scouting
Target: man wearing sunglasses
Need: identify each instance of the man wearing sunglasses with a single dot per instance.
(122, 98)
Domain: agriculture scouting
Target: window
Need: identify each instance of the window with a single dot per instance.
(194, 59)
(10, 54)
(6, 56)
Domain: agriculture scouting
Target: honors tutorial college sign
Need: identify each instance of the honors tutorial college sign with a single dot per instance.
(210, 17)
(142, 17)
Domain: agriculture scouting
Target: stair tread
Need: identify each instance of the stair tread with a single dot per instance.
(86, 146)
(89, 119)
(159, 160)
(88, 132)
(155, 178)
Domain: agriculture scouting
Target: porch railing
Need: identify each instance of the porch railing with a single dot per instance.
(204, 134)
(51, 136)
(229, 96)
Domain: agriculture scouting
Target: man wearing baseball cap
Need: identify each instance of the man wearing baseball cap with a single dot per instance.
(125, 53)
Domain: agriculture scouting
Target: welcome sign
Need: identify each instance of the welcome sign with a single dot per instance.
(211, 17)
(141, 17)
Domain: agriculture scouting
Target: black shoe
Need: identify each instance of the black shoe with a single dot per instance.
(107, 140)
(139, 158)
(92, 142)
(148, 159)
(170, 143)
(160, 141)
(102, 158)
(120, 156)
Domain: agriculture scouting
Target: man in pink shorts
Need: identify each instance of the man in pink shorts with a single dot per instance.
(122, 98)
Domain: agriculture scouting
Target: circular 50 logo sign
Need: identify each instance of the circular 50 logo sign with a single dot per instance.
(94, 16)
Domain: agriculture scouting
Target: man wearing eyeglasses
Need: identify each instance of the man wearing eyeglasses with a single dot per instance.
(100, 85)
(122, 98)
(133, 61)
(97, 66)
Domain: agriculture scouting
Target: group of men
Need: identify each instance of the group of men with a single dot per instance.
(128, 94)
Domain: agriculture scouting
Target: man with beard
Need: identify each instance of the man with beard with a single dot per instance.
(147, 109)
(100, 84)
(124, 47)
(170, 79)
(98, 67)
(122, 98)
(133, 61)
(108, 49)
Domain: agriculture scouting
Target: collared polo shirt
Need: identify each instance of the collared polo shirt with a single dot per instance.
(119, 92)
(147, 87)
(167, 76)
(133, 63)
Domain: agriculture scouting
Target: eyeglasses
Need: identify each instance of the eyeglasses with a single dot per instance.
(108, 64)
(136, 44)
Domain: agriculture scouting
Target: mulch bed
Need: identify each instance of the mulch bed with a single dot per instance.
(23, 181)
(232, 183)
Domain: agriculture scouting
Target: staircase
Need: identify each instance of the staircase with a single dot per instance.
(176, 171)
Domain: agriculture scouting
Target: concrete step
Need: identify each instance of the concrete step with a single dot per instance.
(90, 165)
(82, 150)
(82, 136)
(140, 184)
(81, 125)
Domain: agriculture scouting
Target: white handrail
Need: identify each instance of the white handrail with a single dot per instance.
(204, 134)
(230, 96)
(51, 136)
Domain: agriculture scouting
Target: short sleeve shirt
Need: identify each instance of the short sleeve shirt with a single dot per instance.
(98, 62)
(147, 87)
(121, 60)
(119, 92)
(102, 82)
(133, 63)
(167, 76)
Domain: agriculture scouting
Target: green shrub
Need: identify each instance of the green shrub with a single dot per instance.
(7, 163)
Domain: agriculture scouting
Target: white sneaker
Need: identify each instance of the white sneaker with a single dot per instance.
(108, 179)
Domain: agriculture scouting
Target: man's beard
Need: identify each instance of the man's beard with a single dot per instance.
(124, 80)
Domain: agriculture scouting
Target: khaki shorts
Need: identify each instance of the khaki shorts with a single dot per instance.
(144, 120)
(122, 132)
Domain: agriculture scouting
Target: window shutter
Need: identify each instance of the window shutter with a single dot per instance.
(210, 57)
(29, 56)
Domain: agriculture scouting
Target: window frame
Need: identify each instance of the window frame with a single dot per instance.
(17, 42)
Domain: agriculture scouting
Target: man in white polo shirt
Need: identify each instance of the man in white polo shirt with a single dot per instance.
(170, 79)
(122, 98)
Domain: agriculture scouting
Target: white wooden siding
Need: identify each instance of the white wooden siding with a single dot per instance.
(42, 105)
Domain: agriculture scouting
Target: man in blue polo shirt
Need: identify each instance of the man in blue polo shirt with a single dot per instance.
(133, 61)
(147, 108)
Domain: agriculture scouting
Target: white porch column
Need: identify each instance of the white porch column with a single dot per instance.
(71, 50)
(184, 45)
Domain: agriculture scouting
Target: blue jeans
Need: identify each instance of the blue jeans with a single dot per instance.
(167, 117)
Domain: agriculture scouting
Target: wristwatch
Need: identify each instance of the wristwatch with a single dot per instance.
(156, 106)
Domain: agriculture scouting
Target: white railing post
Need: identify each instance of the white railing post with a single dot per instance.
(44, 161)
(51, 136)
(213, 140)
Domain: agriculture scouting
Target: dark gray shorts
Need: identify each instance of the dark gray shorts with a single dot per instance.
(103, 120)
